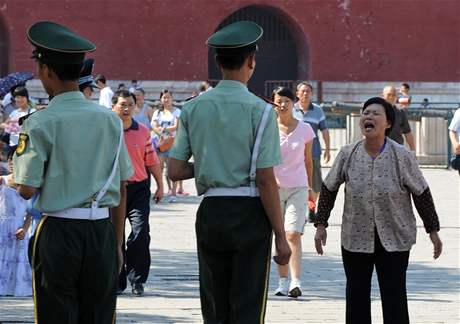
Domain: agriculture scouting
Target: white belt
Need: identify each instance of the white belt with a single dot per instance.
(81, 213)
(238, 191)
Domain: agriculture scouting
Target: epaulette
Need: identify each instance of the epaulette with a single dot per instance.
(23, 118)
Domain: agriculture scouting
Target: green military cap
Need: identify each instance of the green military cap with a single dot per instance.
(58, 44)
(237, 38)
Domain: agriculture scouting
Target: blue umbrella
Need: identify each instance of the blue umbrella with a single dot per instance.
(12, 80)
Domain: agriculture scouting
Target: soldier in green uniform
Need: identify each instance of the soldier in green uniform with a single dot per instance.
(73, 153)
(233, 138)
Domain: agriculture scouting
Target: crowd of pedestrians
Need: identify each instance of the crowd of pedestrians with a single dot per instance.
(257, 163)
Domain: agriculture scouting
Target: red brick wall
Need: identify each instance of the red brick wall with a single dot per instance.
(355, 40)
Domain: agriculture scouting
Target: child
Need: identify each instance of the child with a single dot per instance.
(15, 272)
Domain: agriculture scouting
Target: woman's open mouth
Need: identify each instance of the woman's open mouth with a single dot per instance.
(368, 125)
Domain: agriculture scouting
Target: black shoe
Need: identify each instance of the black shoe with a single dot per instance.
(138, 289)
(295, 292)
(120, 291)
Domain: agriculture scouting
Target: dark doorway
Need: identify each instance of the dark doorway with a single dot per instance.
(3, 49)
(277, 56)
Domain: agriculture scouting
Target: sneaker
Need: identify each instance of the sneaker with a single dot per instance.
(282, 289)
(138, 289)
(295, 289)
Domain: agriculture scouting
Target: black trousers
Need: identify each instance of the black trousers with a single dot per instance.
(137, 253)
(74, 271)
(234, 247)
(391, 270)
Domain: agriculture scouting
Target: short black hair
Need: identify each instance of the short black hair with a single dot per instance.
(64, 71)
(405, 85)
(283, 91)
(123, 93)
(388, 107)
(100, 77)
(21, 91)
(234, 59)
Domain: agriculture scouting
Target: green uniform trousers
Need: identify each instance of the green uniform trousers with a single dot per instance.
(74, 271)
(234, 247)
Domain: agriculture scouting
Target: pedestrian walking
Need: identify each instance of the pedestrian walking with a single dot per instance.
(143, 159)
(233, 138)
(23, 107)
(401, 125)
(294, 181)
(142, 112)
(378, 225)
(106, 93)
(15, 274)
(164, 124)
(74, 154)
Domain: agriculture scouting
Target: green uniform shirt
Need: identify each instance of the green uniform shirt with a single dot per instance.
(219, 129)
(69, 151)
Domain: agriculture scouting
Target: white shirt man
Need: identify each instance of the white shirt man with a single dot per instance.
(106, 94)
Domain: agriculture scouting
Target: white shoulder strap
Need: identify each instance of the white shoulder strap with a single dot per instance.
(255, 150)
(106, 186)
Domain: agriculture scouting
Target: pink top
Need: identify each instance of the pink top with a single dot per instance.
(140, 149)
(292, 172)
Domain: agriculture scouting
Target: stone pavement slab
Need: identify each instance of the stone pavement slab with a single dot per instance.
(172, 294)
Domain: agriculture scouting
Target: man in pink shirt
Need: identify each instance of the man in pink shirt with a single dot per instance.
(144, 161)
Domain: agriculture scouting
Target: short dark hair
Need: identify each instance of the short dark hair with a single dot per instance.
(233, 61)
(388, 107)
(305, 83)
(100, 77)
(123, 94)
(64, 71)
(140, 90)
(283, 91)
(405, 85)
(21, 91)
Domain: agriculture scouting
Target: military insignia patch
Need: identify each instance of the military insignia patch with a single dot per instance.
(22, 143)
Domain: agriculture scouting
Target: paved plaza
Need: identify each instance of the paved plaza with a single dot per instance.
(172, 290)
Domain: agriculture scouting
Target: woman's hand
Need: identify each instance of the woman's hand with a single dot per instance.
(437, 244)
(320, 238)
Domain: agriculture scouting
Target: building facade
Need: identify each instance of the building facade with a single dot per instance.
(328, 40)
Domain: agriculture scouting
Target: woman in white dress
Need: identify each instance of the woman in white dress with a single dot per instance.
(164, 123)
(15, 273)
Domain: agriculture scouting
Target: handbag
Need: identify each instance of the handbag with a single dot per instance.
(165, 142)
(455, 162)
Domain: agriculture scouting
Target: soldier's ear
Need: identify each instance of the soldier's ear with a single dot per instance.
(252, 61)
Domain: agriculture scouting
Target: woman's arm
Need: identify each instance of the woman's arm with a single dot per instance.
(21, 232)
(325, 206)
(309, 163)
(425, 207)
(174, 126)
